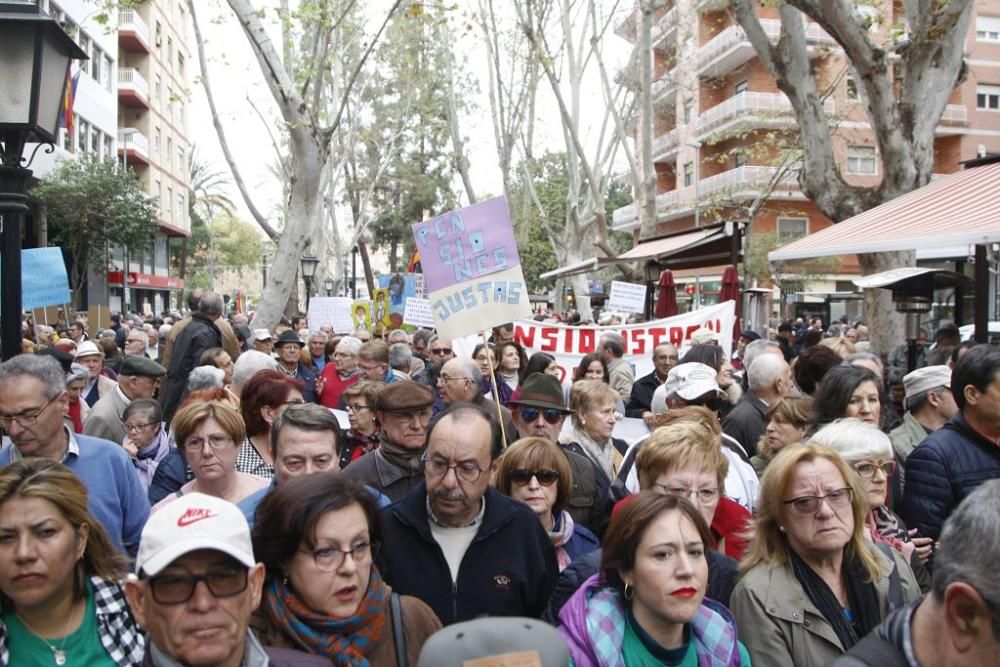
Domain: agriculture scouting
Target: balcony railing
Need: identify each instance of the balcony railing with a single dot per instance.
(734, 35)
(749, 104)
(129, 78)
(628, 216)
(668, 25)
(664, 144)
(954, 114)
(129, 19)
(130, 138)
(747, 178)
(664, 88)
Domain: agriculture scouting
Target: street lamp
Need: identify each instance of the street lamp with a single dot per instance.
(328, 286)
(696, 145)
(35, 55)
(309, 264)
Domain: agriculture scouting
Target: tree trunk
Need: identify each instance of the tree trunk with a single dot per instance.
(886, 327)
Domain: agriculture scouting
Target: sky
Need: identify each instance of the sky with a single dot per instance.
(235, 76)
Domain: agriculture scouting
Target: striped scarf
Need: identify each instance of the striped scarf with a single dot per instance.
(346, 641)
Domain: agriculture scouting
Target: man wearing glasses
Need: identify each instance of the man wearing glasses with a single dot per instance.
(458, 544)
(138, 378)
(33, 404)
(373, 362)
(461, 381)
(197, 585)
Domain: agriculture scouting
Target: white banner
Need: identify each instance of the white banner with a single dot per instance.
(569, 344)
(627, 297)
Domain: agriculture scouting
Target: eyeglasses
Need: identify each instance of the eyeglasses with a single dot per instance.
(132, 428)
(551, 415)
(294, 401)
(215, 443)
(867, 470)
(466, 471)
(367, 367)
(356, 408)
(331, 559)
(705, 496)
(441, 350)
(523, 477)
(836, 499)
(29, 419)
(179, 588)
(445, 378)
(341, 355)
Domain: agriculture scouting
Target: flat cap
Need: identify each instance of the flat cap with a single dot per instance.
(925, 379)
(404, 395)
(135, 365)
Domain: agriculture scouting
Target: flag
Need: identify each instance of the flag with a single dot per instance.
(414, 265)
(66, 117)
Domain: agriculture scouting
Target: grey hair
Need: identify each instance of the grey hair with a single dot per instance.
(765, 370)
(755, 348)
(41, 367)
(399, 356)
(400, 334)
(969, 548)
(854, 439)
(422, 335)
(205, 377)
(864, 356)
(614, 342)
(308, 417)
(470, 369)
(210, 303)
(349, 344)
(77, 372)
(249, 364)
(316, 333)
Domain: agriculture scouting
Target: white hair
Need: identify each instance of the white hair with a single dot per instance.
(854, 440)
(658, 404)
(350, 345)
(249, 364)
(205, 377)
(765, 370)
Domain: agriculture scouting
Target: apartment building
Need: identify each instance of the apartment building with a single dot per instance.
(720, 123)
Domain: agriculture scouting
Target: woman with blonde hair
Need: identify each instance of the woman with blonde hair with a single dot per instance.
(812, 585)
(842, 346)
(61, 598)
(787, 420)
(593, 419)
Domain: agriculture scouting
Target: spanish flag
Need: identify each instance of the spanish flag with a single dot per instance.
(66, 119)
(414, 265)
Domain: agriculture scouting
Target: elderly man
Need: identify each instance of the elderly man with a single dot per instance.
(956, 623)
(305, 439)
(373, 361)
(317, 350)
(78, 332)
(961, 455)
(198, 335)
(404, 410)
(249, 364)
(342, 373)
(137, 379)
(33, 402)
(770, 379)
(622, 375)
(439, 351)
(461, 381)
(135, 343)
(664, 358)
(458, 544)
(289, 349)
(263, 341)
(90, 357)
(421, 339)
(197, 584)
(539, 411)
(399, 359)
(229, 341)
(929, 405)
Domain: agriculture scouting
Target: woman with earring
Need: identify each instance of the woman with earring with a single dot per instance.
(61, 602)
(365, 432)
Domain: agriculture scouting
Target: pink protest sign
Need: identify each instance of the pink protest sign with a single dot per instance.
(466, 243)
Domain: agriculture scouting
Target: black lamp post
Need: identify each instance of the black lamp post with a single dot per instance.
(328, 286)
(308, 264)
(35, 54)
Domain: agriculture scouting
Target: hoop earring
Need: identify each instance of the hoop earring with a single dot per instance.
(628, 593)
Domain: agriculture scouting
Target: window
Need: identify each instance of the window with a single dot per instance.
(82, 135)
(109, 147)
(95, 141)
(179, 214)
(159, 33)
(158, 89)
(852, 87)
(861, 160)
(988, 28)
(688, 174)
(988, 97)
(180, 64)
(67, 142)
(180, 157)
(170, 198)
(109, 74)
(158, 192)
(741, 87)
(157, 135)
(688, 111)
(169, 158)
(84, 42)
(790, 229)
(170, 51)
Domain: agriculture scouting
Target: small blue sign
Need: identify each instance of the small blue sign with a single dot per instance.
(43, 278)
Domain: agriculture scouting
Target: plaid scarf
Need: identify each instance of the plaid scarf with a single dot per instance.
(562, 532)
(346, 641)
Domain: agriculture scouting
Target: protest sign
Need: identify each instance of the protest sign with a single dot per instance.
(332, 310)
(361, 314)
(569, 344)
(472, 269)
(43, 278)
(418, 313)
(400, 286)
(627, 297)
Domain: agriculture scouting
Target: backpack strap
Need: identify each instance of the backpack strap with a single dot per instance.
(398, 636)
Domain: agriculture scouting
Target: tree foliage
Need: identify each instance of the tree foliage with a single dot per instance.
(90, 204)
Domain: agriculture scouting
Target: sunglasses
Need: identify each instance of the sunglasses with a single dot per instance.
(544, 476)
(440, 350)
(551, 415)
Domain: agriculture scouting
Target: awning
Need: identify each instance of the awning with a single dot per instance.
(571, 270)
(663, 248)
(959, 210)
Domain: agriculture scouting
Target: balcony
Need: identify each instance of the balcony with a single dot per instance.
(133, 33)
(133, 145)
(747, 182)
(748, 110)
(664, 90)
(665, 31)
(954, 114)
(627, 217)
(731, 48)
(133, 89)
(665, 145)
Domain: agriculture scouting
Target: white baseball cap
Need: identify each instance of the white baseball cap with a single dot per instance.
(703, 336)
(192, 522)
(691, 380)
(262, 334)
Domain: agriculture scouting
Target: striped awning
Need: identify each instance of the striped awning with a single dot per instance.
(959, 210)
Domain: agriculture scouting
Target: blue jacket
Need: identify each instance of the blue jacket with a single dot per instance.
(249, 504)
(946, 467)
(509, 568)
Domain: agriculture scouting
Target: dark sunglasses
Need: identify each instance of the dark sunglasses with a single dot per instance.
(551, 415)
(544, 476)
(441, 350)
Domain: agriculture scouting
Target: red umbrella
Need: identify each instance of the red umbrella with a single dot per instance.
(666, 302)
(730, 291)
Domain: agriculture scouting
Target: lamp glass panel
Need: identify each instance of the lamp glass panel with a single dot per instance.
(53, 85)
(309, 264)
(16, 65)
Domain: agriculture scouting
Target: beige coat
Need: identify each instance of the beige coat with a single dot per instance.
(779, 624)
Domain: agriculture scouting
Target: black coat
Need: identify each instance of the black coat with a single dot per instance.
(642, 395)
(509, 568)
(745, 423)
(199, 335)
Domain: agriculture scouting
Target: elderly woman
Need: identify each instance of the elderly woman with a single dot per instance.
(319, 537)
(787, 421)
(812, 585)
(868, 451)
(536, 472)
(145, 440)
(262, 399)
(511, 364)
(685, 460)
(341, 374)
(593, 403)
(365, 432)
(648, 606)
(60, 576)
(78, 409)
(209, 435)
(713, 356)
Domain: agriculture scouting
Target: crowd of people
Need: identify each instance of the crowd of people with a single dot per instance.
(191, 491)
